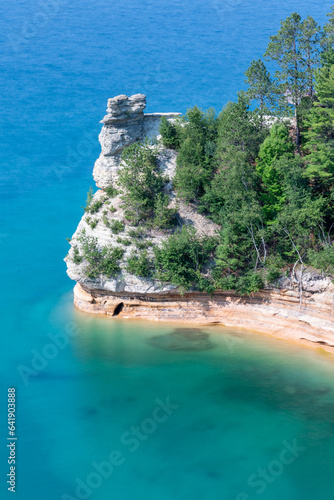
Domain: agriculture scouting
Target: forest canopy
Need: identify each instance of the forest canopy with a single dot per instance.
(263, 169)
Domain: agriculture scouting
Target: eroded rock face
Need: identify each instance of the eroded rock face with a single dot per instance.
(278, 311)
(124, 124)
(94, 226)
(123, 282)
(272, 311)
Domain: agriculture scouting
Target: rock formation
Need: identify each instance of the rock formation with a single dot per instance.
(274, 311)
(124, 124)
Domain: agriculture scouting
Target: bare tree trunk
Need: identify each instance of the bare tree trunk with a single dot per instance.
(301, 286)
(297, 128)
(258, 257)
(300, 280)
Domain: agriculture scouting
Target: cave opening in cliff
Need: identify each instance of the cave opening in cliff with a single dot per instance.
(118, 309)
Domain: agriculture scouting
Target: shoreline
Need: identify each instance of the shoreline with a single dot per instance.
(271, 312)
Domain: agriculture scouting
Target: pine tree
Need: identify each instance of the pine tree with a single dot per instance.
(274, 147)
(239, 128)
(310, 49)
(295, 49)
(320, 134)
(261, 87)
(196, 153)
(328, 39)
(324, 85)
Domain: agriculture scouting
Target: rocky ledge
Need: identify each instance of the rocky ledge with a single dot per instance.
(275, 311)
(124, 124)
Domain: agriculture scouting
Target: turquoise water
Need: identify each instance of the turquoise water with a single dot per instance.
(240, 400)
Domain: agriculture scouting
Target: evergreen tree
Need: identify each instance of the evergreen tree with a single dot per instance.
(310, 39)
(295, 49)
(320, 134)
(140, 181)
(328, 38)
(239, 138)
(261, 87)
(274, 207)
(196, 153)
(239, 128)
(170, 133)
(276, 145)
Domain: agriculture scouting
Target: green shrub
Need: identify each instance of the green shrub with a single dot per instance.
(244, 284)
(140, 181)
(164, 217)
(136, 233)
(89, 199)
(103, 260)
(111, 191)
(106, 221)
(116, 226)
(180, 257)
(273, 274)
(170, 133)
(249, 283)
(204, 284)
(141, 245)
(274, 266)
(131, 216)
(91, 222)
(94, 206)
(323, 259)
(139, 265)
(77, 258)
(123, 241)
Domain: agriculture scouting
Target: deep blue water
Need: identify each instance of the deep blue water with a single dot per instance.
(60, 62)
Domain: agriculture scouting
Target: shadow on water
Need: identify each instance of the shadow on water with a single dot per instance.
(88, 411)
(272, 389)
(183, 339)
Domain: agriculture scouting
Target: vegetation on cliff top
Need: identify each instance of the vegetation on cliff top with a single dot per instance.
(271, 188)
(268, 182)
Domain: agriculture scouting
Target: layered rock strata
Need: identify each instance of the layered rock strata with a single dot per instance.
(275, 311)
(124, 124)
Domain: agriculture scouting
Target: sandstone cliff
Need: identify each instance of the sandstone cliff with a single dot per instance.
(125, 124)
(276, 311)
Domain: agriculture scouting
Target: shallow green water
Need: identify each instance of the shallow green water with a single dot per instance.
(238, 400)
